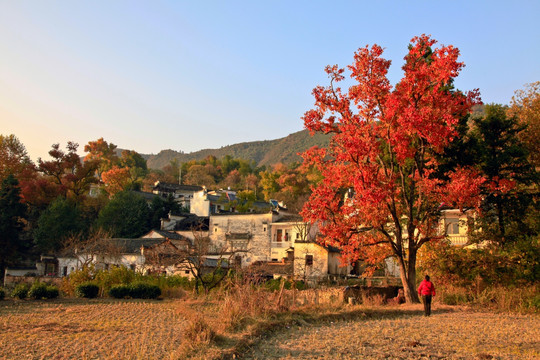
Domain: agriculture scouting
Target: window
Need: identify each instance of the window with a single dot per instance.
(452, 226)
(238, 261)
(309, 260)
(279, 235)
(297, 236)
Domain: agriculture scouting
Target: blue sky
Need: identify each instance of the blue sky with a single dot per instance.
(189, 75)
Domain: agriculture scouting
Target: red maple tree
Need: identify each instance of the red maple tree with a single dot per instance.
(380, 195)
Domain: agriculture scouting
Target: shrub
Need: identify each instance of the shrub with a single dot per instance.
(40, 291)
(87, 290)
(2, 294)
(534, 303)
(52, 292)
(144, 291)
(138, 290)
(20, 291)
(116, 275)
(454, 298)
(119, 291)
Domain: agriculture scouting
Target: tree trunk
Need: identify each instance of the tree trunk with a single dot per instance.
(408, 277)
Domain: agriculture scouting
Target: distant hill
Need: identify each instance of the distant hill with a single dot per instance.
(267, 152)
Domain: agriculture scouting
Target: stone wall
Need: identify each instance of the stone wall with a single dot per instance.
(248, 235)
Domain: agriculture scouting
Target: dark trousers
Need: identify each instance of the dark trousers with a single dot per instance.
(426, 299)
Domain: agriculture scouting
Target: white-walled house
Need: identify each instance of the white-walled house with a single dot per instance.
(182, 194)
(110, 252)
(313, 261)
(455, 224)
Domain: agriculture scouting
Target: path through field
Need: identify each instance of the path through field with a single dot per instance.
(449, 333)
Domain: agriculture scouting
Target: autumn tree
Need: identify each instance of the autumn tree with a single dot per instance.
(128, 174)
(13, 157)
(290, 184)
(103, 153)
(136, 165)
(66, 169)
(379, 196)
(202, 175)
(525, 105)
(116, 179)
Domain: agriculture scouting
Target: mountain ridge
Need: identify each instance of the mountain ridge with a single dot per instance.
(262, 152)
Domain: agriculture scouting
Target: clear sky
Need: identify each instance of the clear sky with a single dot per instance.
(189, 75)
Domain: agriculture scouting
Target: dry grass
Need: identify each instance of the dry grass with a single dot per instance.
(403, 333)
(248, 323)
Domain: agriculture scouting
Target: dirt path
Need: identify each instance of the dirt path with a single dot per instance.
(403, 333)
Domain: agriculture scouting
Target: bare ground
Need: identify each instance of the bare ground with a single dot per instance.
(404, 333)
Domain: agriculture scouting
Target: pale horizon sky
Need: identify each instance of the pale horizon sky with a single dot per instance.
(188, 75)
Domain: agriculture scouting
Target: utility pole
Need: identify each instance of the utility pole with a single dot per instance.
(180, 175)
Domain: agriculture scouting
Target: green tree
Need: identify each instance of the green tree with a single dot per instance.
(503, 159)
(12, 215)
(160, 208)
(59, 221)
(127, 215)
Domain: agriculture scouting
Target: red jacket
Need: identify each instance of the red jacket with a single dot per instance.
(426, 288)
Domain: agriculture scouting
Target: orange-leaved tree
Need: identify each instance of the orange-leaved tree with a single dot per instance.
(379, 196)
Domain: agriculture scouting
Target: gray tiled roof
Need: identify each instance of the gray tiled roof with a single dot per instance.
(171, 187)
(170, 235)
(133, 246)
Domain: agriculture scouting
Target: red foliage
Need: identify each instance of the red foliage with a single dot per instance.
(379, 195)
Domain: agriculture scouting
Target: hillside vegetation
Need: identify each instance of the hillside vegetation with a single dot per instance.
(267, 152)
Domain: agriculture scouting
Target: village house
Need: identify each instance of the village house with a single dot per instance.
(104, 253)
(182, 194)
(205, 203)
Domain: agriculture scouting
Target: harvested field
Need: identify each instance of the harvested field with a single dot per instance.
(404, 333)
(95, 329)
(145, 329)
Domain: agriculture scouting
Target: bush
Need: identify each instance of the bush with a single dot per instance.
(87, 290)
(119, 291)
(40, 291)
(20, 291)
(116, 275)
(137, 290)
(454, 298)
(52, 292)
(144, 291)
(2, 294)
(534, 303)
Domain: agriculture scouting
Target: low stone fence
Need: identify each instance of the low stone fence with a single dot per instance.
(340, 295)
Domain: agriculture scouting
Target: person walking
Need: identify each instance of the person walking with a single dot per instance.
(426, 290)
